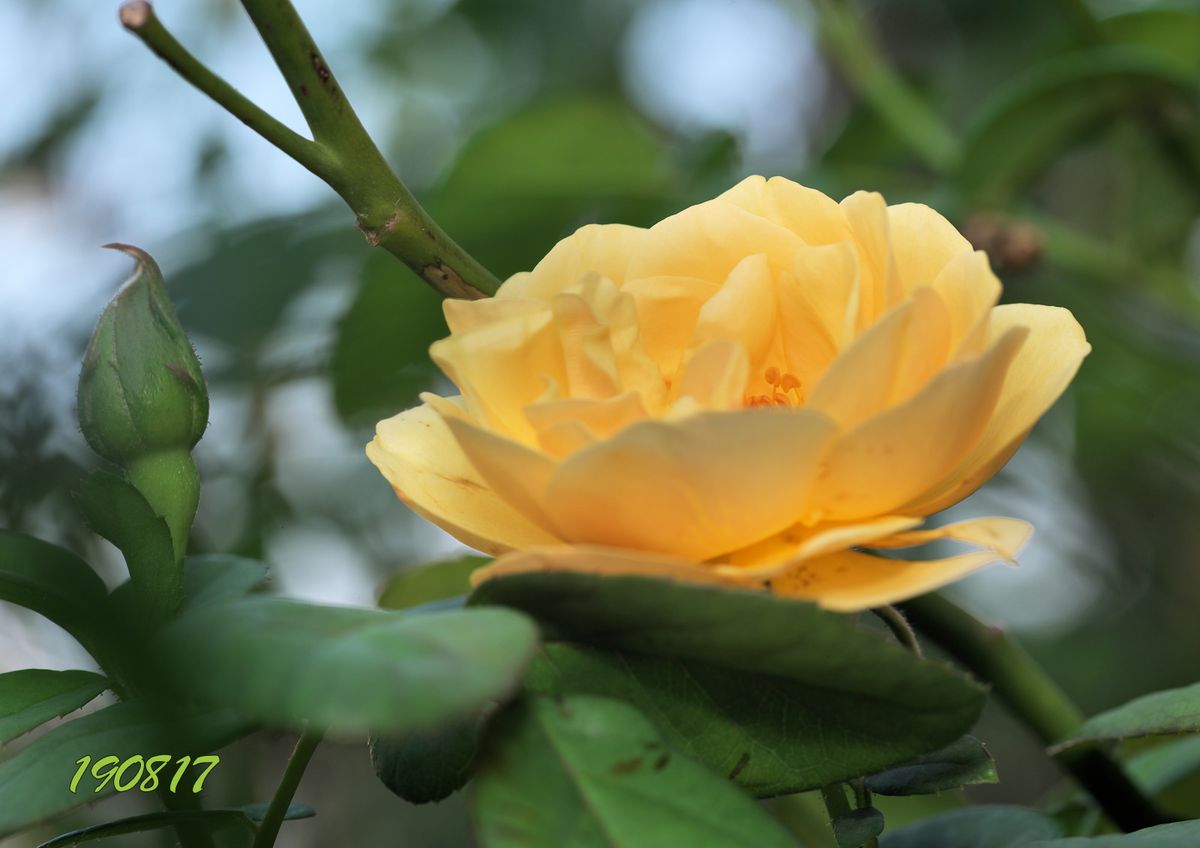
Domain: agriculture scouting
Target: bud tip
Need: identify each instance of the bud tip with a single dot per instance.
(135, 14)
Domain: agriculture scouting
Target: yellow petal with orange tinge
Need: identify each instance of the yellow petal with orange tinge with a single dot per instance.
(602, 249)
(697, 487)
(970, 290)
(779, 553)
(742, 310)
(877, 468)
(923, 243)
(707, 242)
(867, 216)
(849, 581)
(594, 559)
(715, 376)
(813, 216)
(464, 315)
(1002, 536)
(1047, 362)
(819, 295)
(491, 365)
(564, 426)
(418, 455)
(667, 309)
(517, 473)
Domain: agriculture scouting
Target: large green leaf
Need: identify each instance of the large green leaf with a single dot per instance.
(1040, 114)
(244, 817)
(870, 702)
(34, 696)
(1160, 768)
(964, 762)
(219, 578)
(53, 582)
(585, 771)
(347, 670)
(858, 827)
(35, 782)
(770, 734)
(1160, 713)
(381, 353)
(414, 587)
(975, 827)
(116, 510)
(1177, 835)
(1171, 34)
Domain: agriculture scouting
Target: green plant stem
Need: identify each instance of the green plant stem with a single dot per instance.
(834, 796)
(866, 69)
(1036, 700)
(268, 830)
(341, 152)
(898, 624)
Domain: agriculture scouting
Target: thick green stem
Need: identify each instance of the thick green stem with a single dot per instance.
(306, 745)
(865, 68)
(1036, 700)
(341, 152)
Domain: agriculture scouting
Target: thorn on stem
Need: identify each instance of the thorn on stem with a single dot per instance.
(135, 14)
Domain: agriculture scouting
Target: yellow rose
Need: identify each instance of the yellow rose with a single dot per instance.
(749, 392)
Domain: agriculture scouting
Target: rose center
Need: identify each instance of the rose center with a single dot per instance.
(784, 390)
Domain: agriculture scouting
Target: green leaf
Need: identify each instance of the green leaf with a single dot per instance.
(438, 581)
(1177, 835)
(771, 735)
(858, 827)
(427, 765)
(212, 819)
(53, 582)
(964, 762)
(1159, 768)
(35, 782)
(218, 578)
(34, 696)
(851, 698)
(588, 771)
(1158, 714)
(381, 354)
(1040, 114)
(116, 510)
(975, 827)
(1171, 34)
(346, 670)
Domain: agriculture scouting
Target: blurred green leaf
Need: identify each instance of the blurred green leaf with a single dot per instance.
(771, 735)
(437, 581)
(212, 819)
(1177, 835)
(964, 762)
(346, 670)
(381, 354)
(34, 696)
(975, 827)
(116, 510)
(858, 827)
(1160, 713)
(1161, 767)
(528, 181)
(53, 582)
(1037, 117)
(1171, 34)
(35, 782)
(587, 771)
(217, 578)
(429, 764)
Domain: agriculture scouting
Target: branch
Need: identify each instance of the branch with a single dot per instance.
(1036, 700)
(341, 152)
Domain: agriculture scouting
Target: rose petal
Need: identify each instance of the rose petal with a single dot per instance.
(866, 212)
(698, 487)
(779, 553)
(970, 290)
(742, 310)
(419, 456)
(1037, 377)
(594, 559)
(879, 467)
(923, 243)
(603, 249)
(808, 213)
(1003, 536)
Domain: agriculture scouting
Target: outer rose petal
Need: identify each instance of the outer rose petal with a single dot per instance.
(1040, 373)
(923, 243)
(813, 216)
(780, 553)
(698, 487)
(595, 559)
(417, 454)
(603, 249)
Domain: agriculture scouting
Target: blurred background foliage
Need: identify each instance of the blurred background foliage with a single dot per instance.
(1063, 137)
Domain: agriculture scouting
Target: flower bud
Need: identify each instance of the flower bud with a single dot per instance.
(141, 390)
(142, 402)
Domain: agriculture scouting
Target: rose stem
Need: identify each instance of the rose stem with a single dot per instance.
(341, 151)
(1036, 700)
(268, 830)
